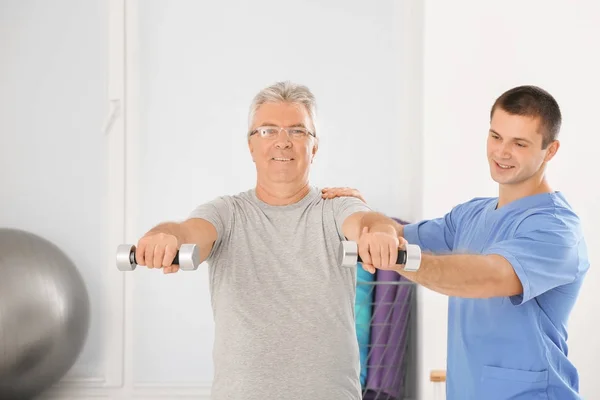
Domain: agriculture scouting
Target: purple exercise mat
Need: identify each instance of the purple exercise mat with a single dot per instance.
(385, 367)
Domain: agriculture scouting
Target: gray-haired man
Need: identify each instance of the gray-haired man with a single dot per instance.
(282, 305)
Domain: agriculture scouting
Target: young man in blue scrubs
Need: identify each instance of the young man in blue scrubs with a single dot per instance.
(512, 265)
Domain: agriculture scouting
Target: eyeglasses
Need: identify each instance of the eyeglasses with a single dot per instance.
(272, 132)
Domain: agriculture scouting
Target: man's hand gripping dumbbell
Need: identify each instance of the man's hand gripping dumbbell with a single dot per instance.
(158, 251)
(410, 256)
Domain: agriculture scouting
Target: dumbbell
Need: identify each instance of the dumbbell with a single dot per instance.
(187, 257)
(410, 258)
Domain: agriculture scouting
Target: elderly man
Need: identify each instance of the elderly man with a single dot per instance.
(283, 307)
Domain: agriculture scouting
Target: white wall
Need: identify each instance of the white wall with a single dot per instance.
(200, 65)
(473, 52)
(404, 123)
(53, 154)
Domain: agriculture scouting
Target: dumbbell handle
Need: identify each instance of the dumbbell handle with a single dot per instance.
(400, 260)
(410, 258)
(133, 260)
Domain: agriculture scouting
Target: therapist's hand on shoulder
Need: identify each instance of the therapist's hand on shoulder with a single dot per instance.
(378, 250)
(330, 193)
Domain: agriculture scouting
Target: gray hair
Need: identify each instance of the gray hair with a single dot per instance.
(285, 92)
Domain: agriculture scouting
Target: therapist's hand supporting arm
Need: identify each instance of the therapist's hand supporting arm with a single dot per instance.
(471, 276)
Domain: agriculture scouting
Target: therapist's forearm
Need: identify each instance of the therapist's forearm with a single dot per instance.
(471, 276)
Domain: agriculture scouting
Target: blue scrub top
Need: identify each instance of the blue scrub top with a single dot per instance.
(512, 347)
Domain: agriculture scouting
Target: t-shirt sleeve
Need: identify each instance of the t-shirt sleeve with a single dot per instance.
(343, 207)
(544, 254)
(219, 213)
(435, 235)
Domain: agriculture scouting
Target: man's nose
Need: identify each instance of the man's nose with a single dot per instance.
(283, 144)
(283, 140)
(505, 150)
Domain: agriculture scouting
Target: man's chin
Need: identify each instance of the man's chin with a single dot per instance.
(499, 179)
(282, 178)
(506, 180)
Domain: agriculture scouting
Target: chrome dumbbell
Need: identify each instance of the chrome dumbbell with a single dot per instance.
(187, 257)
(410, 258)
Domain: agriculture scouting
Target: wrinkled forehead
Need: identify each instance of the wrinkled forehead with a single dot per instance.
(283, 115)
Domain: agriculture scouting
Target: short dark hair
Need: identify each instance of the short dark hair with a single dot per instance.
(532, 101)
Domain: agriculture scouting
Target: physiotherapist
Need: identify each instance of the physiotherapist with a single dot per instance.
(512, 265)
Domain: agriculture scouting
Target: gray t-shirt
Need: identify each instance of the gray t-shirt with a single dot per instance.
(283, 307)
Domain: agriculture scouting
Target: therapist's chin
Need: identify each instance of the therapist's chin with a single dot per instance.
(505, 179)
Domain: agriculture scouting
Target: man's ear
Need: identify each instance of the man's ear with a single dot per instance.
(552, 149)
(251, 148)
(314, 149)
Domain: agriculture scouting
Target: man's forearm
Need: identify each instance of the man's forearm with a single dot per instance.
(473, 276)
(172, 228)
(377, 222)
(191, 231)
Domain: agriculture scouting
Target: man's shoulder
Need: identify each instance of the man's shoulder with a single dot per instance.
(340, 201)
(549, 211)
(238, 197)
(225, 202)
(562, 209)
(473, 205)
(561, 222)
(482, 201)
(346, 203)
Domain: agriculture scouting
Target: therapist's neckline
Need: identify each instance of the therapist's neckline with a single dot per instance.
(521, 201)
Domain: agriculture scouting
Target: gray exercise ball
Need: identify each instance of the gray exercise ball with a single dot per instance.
(44, 314)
